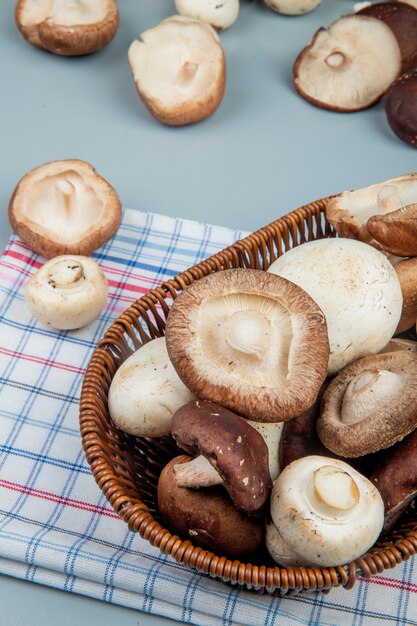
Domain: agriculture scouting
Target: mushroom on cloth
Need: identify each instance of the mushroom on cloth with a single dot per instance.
(374, 211)
(69, 28)
(234, 451)
(357, 289)
(324, 513)
(68, 292)
(145, 392)
(64, 207)
(179, 70)
(220, 15)
(252, 342)
(207, 517)
(396, 478)
(370, 405)
(349, 66)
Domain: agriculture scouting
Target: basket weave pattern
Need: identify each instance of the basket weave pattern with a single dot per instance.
(127, 468)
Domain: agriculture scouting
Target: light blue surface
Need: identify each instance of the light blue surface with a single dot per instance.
(263, 153)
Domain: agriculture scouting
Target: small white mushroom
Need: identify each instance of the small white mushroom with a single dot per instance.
(68, 292)
(325, 513)
(146, 391)
(220, 14)
(292, 7)
(357, 289)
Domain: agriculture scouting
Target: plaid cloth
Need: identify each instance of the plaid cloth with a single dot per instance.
(56, 527)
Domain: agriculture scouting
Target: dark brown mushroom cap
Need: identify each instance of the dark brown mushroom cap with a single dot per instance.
(235, 449)
(207, 517)
(251, 341)
(370, 405)
(401, 107)
(402, 20)
(396, 232)
(67, 39)
(299, 436)
(396, 478)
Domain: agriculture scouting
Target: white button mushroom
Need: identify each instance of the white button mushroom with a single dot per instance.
(324, 513)
(219, 14)
(146, 391)
(357, 289)
(68, 292)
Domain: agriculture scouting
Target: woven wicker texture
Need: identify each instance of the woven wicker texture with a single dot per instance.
(127, 468)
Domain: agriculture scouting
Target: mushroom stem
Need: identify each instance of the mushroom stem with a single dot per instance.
(248, 332)
(335, 489)
(186, 73)
(65, 274)
(336, 59)
(388, 199)
(367, 392)
(197, 473)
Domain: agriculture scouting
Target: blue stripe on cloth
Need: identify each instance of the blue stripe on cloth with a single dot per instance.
(54, 525)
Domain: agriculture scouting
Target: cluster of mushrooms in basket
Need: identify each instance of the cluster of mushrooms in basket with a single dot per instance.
(294, 406)
(179, 66)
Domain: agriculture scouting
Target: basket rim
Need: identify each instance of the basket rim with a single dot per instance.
(134, 511)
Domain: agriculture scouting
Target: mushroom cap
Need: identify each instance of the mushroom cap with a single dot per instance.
(220, 15)
(64, 207)
(357, 289)
(271, 433)
(407, 274)
(350, 211)
(396, 232)
(179, 70)
(370, 405)
(400, 344)
(250, 341)
(292, 7)
(236, 450)
(68, 292)
(145, 392)
(349, 66)
(325, 511)
(402, 20)
(68, 28)
(396, 478)
(401, 107)
(207, 517)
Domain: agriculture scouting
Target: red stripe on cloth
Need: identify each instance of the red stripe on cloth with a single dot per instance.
(390, 582)
(38, 359)
(52, 497)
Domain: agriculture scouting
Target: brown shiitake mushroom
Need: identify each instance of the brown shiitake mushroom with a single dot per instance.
(349, 66)
(400, 344)
(407, 273)
(370, 405)
(396, 478)
(396, 232)
(401, 107)
(207, 517)
(179, 70)
(350, 211)
(402, 20)
(235, 453)
(250, 341)
(64, 207)
(69, 28)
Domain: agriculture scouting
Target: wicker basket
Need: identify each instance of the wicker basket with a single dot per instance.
(127, 468)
